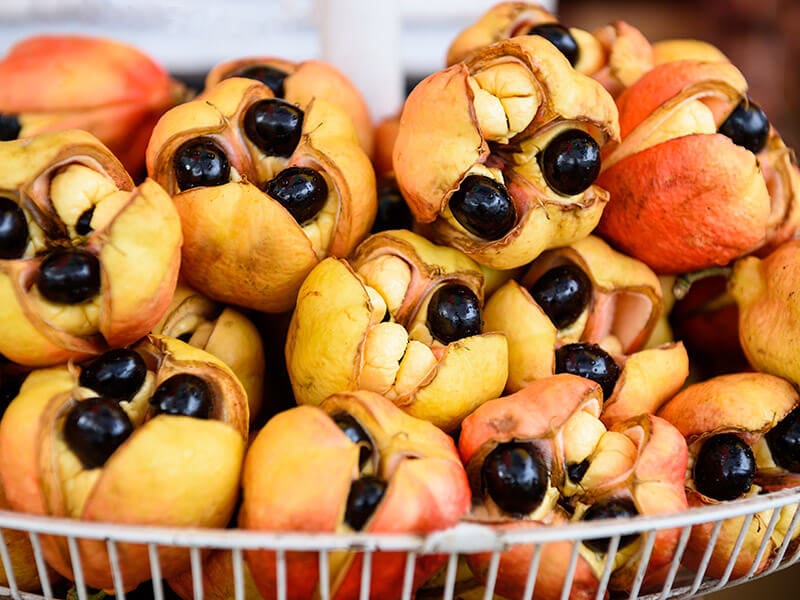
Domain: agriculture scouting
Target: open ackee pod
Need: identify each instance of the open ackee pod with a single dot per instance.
(224, 332)
(511, 139)
(589, 294)
(714, 188)
(301, 82)
(110, 89)
(79, 273)
(355, 463)
(265, 190)
(151, 435)
(742, 435)
(581, 471)
(403, 319)
(616, 55)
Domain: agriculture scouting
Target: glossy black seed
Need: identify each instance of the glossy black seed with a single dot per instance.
(560, 37)
(784, 442)
(393, 212)
(9, 127)
(69, 276)
(570, 162)
(94, 428)
(84, 224)
(747, 126)
(515, 477)
(183, 394)
(356, 434)
(200, 163)
(613, 509)
(563, 293)
(13, 229)
(724, 467)
(270, 76)
(365, 495)
(483, 207)
(589, 361)
(275, 126)
(454, 312)
(576, 471)
(301, 191)
(117, 374)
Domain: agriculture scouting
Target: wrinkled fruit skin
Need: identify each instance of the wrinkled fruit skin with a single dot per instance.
(466, 124)
(107, 88)
(747, 405)
(222, 331)
(624, 306)
(193, 482)
(340, 337)
(55, 178)
(226, 254)
(616, 55)
(705, 200)
(422, 495)
(640, 461)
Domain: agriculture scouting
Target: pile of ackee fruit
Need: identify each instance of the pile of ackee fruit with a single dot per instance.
(478, 300)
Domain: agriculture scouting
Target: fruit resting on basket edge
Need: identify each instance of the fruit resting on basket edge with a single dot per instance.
(357, 463)
(151, 435)
(79, 272)
(105, 87)
(743, 432)
(541, 456)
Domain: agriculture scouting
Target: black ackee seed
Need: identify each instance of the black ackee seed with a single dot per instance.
(613, 509)
(747, 126)
(117, 374)
(576, 471)
(301, 191)
(454, 312)
(69, 276)
(275, 126)
(563, 293)
(13, 229)
(84, 224)
(393, 212)
(589, 361)
(515, 477)
(95, 428)
(483, 207)
(365, 495)
(270, 76)
(560, 37)
(724, 467)
(184, 394)
(356, 434)
(9, 127)
(570, 162)
(784, 442)
(200, 163)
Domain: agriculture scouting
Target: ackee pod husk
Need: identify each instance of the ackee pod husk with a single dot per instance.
(303, 449)
(493, 116)
(224, 332)
(747, 405)
(301, 83)
(362, 325)
(172, 470)
(109, 89)
(55, 179)
(616, 55)
(641, 461)
(241, 245)
(703, 200)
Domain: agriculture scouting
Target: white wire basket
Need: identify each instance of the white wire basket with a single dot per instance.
(465, 538)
